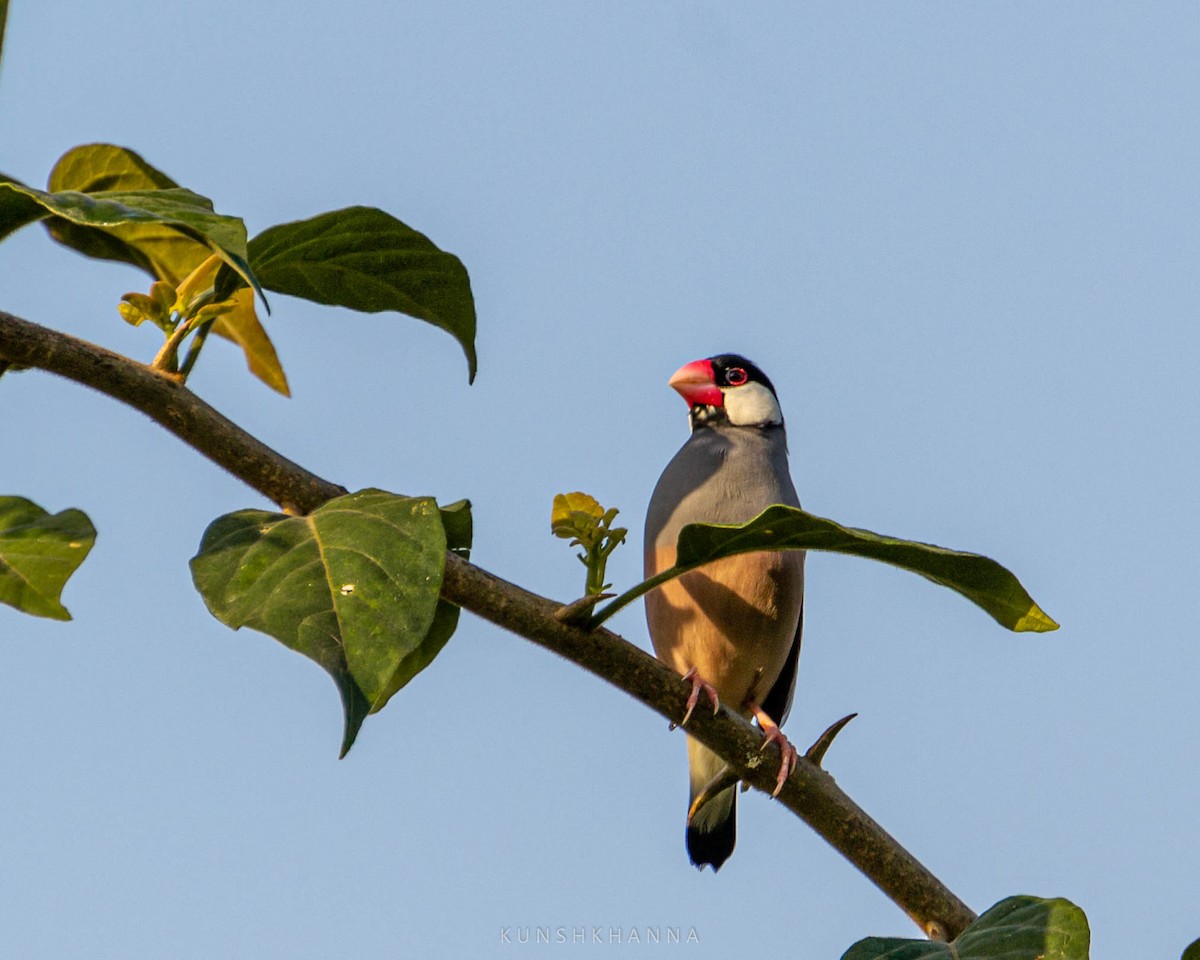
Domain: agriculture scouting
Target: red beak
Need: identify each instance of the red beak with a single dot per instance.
(697, 384)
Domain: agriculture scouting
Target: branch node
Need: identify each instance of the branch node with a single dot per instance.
(936, 931)
(577, 612)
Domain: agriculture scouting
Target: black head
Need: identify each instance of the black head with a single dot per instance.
(728, 388)
(733, 370)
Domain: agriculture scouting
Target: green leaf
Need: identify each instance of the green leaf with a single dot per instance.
(354, 586)
(981, 580)
(38, 554)
(165, 231)
(3, 20)
(156, 248)
(1019, 928)
(367, 260)
(456, 519)
(17, 209)
(1192, 951)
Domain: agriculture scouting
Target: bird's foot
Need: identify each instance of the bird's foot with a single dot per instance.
(772, 734)
(698, 684)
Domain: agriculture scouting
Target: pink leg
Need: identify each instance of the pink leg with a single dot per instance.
(772, 734)
(699, 684)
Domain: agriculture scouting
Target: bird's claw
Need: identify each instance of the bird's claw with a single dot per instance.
(789, 755)
(698, 684)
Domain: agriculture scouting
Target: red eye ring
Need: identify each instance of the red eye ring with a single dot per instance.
(735, 376)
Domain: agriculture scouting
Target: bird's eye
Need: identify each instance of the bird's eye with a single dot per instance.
(735, 376)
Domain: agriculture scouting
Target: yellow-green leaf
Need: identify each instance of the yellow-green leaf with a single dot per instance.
(240, 324)
(106, 201)
(196, 284)
(100, 167)
(92, 167)
(563, 520)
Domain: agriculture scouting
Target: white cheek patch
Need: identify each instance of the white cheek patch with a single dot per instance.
(751, 405)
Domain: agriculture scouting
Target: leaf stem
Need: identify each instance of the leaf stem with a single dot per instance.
(195, 347)
(626, 598)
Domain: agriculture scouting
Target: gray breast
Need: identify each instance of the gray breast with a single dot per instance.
(721, 475)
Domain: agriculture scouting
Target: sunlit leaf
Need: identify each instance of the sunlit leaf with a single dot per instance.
(365, 259)
(236, 317)
(162, 251)
(1019, 928)
(183, 228)
(196, 285)
(96, 167)
(241, 325)
(354, 586)
(38, 554)
(580, 518)
(572, 512)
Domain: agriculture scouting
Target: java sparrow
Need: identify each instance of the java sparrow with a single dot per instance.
(730, 628)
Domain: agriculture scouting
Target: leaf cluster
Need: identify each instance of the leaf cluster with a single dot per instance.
(107, 202)
(355, 584)
(578, 517)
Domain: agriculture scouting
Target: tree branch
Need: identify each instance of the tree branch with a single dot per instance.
(165, 400)
(809, 792)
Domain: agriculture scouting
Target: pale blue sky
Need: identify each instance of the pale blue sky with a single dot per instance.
(961, 239)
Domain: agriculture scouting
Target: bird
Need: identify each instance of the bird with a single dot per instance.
(731, 628)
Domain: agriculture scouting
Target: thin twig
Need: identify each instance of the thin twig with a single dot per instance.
(195, 347)
(165, 358)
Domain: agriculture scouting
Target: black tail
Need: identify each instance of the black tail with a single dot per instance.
(712, 832)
